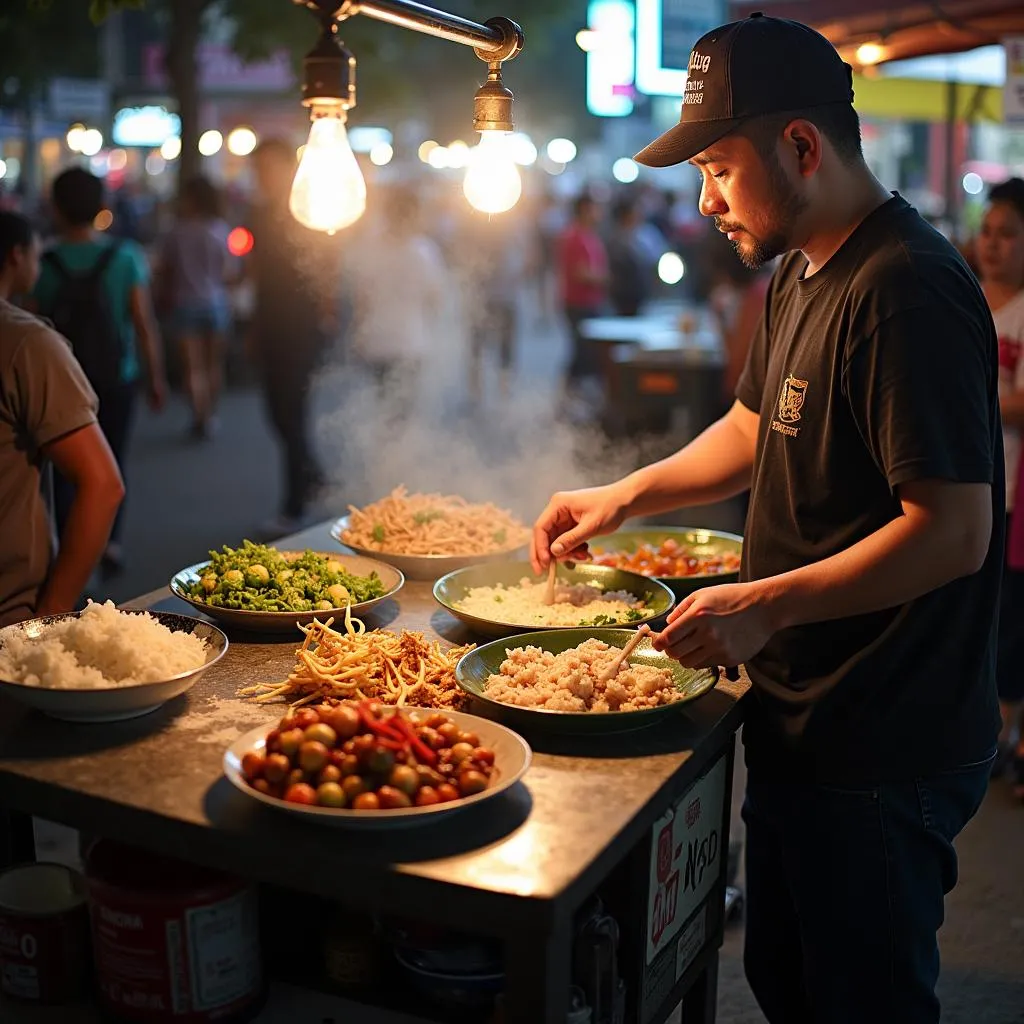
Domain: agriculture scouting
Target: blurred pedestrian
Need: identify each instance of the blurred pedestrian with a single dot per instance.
(1000, 255)
(630, 269)
(736, 300)
(583, 273)
(47, 416)
(496, 274)
(394, 329)
(294, 274)
(550, 220)
(95, 289)
(193, 269)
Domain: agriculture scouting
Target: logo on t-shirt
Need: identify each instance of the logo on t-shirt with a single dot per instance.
(791, 401)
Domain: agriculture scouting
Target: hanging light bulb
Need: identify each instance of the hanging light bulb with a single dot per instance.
(328, 192)
(493, 183)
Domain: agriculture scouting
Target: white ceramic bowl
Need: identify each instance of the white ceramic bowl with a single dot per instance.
(423, 567)
(512, 757)
(112, 703)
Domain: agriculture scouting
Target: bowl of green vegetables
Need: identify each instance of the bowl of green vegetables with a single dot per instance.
(265, 590)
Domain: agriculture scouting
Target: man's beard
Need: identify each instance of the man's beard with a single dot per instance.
(786, 205)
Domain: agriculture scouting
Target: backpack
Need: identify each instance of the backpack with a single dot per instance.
(81, 311)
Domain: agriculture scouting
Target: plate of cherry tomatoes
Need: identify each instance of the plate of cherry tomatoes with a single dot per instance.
(362, 763)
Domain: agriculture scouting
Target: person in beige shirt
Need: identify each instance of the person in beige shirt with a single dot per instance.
(47, 416)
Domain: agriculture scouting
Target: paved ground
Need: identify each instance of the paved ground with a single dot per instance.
(185, 499)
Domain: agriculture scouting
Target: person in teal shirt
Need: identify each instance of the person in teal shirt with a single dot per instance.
(78, 197)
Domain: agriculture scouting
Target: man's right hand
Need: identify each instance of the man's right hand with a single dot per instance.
(572, 518)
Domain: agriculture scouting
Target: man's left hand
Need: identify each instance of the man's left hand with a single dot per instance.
(723, 625)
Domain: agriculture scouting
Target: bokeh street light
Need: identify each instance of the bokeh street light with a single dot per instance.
(241, 141)
(381, 154)
(210, 142)
(671, 268)
(171, 148)
(561, 151)
(91, 142)
(625, 170)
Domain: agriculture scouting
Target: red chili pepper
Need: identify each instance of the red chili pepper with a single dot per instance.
(419, 748)
(378, 726)
(390, 744)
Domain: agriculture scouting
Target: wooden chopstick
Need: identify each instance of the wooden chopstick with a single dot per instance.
(549, 594)
(613, 669)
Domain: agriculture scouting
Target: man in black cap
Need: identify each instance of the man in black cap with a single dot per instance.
(866, 424)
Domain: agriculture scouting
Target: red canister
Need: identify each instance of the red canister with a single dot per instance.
(173, 943)
(44, 933)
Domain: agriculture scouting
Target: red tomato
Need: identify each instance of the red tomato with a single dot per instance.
(300, 793)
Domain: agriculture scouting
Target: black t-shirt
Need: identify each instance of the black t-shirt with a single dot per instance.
(878, 370)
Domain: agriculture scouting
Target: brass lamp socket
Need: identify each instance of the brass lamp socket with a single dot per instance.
(329, 73)
(492, 105)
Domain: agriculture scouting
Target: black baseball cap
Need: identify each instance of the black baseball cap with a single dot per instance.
(747, 68)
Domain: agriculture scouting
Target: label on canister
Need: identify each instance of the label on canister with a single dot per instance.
(173, 943)
(178, 964)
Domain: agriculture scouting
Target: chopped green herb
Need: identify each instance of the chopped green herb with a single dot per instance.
(378, 533)
(600, 620)
(634, 615)
(500, 536)
(422, 518)
(498, 598)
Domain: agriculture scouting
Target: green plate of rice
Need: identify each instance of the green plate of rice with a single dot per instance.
(499, 599)
(476, 669)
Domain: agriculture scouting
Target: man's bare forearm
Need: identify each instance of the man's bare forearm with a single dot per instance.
(714, 466)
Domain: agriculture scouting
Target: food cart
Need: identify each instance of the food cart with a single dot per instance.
(641, 817)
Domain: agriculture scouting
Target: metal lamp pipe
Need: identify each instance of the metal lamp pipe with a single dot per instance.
(487, 39)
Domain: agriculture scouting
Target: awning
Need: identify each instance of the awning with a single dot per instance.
(901, 29)
(916, 99)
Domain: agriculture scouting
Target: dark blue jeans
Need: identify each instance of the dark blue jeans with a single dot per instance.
(845, 892)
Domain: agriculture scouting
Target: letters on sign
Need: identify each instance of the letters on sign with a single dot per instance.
(686, 857)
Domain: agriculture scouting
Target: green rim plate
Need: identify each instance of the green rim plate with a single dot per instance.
(703, 542)
(476, 667)
(452, 588)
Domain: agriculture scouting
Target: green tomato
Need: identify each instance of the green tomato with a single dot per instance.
(257, 575)
(233, 580)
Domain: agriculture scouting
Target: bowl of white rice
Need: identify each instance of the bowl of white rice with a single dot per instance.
(499, 600)
(104, 664)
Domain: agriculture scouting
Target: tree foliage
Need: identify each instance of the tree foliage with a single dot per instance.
(39, 41)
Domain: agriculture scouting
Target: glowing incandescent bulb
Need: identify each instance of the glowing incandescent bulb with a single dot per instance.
(493, 184)
(328, 192)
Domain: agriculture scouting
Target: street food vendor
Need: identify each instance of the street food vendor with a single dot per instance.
(866, 424)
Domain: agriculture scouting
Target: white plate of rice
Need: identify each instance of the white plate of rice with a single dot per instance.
(104, 664)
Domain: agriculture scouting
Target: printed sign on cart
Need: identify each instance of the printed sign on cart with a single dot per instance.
(686, 857)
